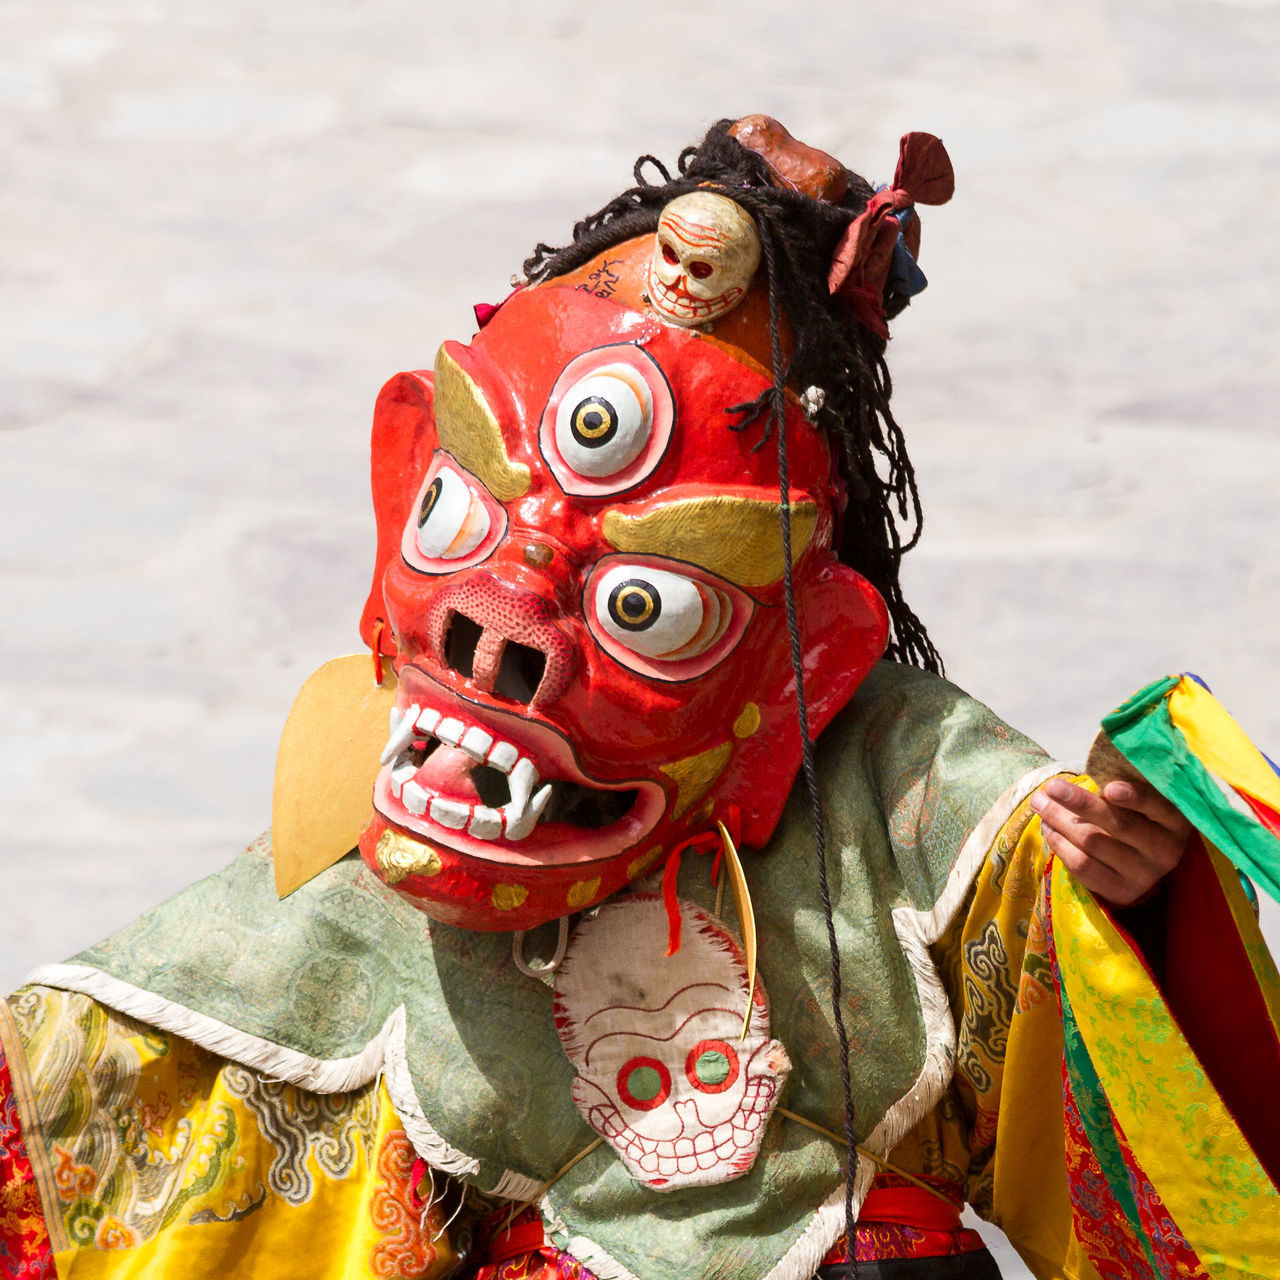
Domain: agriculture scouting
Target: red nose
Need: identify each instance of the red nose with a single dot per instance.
(501, 637)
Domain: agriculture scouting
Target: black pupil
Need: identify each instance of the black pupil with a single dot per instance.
(634, 604)
(429, 500)
(595, 422)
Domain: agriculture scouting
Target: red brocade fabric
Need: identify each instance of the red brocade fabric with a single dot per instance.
(518, 1250)
(24, 1242)
(901, 1220)
(898, 1220)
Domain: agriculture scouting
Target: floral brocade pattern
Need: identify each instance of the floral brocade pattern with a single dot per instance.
(406, 1249)
(547, 1263)
(1135, 1240)
(170, 1159)
(993, 959)
(24, 1242)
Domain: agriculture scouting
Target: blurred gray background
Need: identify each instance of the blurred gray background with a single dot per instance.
(222, 227)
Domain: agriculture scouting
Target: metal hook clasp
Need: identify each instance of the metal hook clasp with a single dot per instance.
(543, 972)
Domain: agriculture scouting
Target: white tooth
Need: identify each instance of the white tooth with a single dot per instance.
(428, 720)
(521, 822)
(450, 813)
(707, 1160)
(400, 776)
(523, 778)
(475, 742)
(503, 756)
(414, 798)
(400, 735)
(450, 731)
(486, 824)
(396, 716)
(703, 1142)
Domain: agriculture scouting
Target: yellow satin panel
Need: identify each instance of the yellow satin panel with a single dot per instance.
(1181, 1134)
(163, 1161)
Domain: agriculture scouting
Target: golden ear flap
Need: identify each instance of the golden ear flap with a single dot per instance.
(326, 767)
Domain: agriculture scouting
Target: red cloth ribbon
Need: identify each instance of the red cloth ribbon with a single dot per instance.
(703, 842)
(485, 311)
(860, 265)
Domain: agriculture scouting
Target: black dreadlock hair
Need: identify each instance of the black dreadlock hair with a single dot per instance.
(831, 351)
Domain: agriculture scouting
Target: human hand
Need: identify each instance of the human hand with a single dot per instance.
(1119, 843)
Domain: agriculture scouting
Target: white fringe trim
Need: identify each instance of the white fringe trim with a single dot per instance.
(595, 1258)
(917, 932)
(518, 1187)
(802, 1260)
(427, 1142)
(385, 1054)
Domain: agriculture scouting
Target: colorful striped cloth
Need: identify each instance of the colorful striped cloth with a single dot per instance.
(1182, 740)
(1171, 1071)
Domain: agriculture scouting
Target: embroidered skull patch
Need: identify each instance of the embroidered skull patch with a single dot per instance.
(665, 1075)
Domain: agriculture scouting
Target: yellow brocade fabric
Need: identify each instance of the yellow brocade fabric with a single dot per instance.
(155, 1158)
(1183, 1137)
(997, 1134)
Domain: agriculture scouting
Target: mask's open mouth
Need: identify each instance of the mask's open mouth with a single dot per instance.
(452, 779)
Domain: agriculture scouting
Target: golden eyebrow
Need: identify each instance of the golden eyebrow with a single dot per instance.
(735, 538)
(469, 430)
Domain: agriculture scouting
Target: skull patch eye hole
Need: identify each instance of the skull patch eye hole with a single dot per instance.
(660, 622)
(700, 270)
(644, 1084)
(608, 421)
(455, 521)
(712, 1066)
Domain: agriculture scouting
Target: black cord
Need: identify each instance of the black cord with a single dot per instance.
(778, 421)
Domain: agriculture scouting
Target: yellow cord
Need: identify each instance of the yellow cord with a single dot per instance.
(862, 1151)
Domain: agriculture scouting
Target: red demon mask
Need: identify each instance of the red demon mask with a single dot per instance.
(580, 568)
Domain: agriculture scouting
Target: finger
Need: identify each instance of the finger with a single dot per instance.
(1087, 839)
(1072, 809)
(1086, 805)
(1143, 798)
(1140, 856)
(1100, 879)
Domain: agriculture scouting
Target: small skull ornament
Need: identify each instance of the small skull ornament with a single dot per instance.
(705, 252)
(665, 1075)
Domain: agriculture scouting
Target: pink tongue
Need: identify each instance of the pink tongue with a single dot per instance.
(447, 772)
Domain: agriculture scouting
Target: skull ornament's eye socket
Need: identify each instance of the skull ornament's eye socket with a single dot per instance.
(660, 622)
(644, 1084)
(455, 522)
(608, 421)
(712, 1066)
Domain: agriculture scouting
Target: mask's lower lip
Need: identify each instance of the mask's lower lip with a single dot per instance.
(451, 775)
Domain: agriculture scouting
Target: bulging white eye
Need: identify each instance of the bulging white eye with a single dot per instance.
(452, 521)
(603, 422)
(659, 614)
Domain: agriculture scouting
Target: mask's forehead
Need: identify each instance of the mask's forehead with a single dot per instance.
(518, 357)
